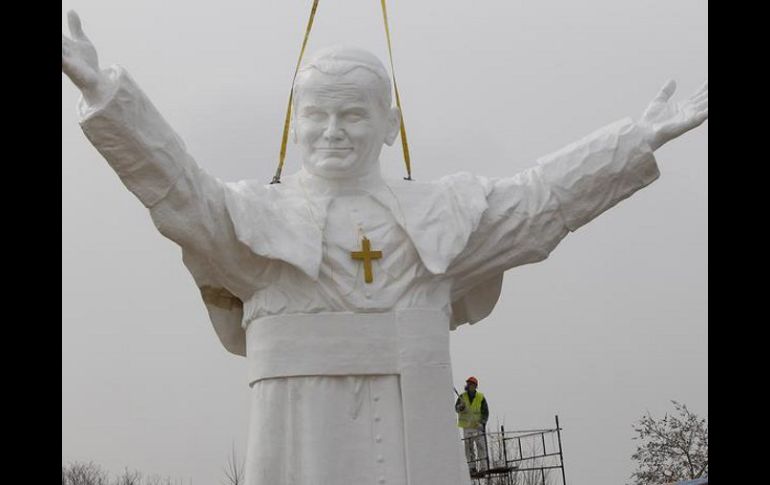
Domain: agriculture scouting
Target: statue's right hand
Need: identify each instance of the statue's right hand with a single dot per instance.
(79, 60)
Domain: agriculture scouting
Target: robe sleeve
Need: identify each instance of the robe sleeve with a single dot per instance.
(530, 213)
(186, 204)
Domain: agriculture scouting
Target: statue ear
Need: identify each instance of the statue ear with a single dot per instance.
(394, 125)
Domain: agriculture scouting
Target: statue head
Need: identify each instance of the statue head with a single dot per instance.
(342, 113)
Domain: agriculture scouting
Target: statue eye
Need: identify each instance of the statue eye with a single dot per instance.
(353, 116)
(314, 115)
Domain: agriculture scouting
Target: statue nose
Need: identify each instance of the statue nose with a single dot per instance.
(333, 131)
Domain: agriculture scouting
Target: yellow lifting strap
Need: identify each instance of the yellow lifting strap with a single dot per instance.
(287, 120)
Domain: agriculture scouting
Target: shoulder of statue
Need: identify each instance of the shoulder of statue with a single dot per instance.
(258, 188)
(409, 185)
(461, 184)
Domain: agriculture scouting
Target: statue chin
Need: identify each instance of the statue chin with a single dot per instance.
(332, 167)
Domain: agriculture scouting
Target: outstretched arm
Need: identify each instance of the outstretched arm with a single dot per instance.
(530, 213)
(187, 205)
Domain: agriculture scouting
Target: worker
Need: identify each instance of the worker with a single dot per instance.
(472, 415)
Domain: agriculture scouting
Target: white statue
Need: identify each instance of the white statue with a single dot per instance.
(341, 287)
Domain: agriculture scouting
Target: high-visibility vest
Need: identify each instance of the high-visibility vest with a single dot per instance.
(471, 416)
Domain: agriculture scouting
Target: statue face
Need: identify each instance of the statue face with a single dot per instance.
(340, 124)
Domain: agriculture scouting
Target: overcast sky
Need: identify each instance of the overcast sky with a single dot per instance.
(612, 325)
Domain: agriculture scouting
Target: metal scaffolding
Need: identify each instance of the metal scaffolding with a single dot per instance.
(525, 457)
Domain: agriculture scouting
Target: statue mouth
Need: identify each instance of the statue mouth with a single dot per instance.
(334, 152)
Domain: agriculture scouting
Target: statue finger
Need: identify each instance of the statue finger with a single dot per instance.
(66, 50)
(694, 117)
(700, 97)
(76, 28)
(666, 91)
(701, 116)
(703, 105)
(703, 89)
(66, 44)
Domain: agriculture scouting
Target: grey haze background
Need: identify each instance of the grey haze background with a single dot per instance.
(612, 325)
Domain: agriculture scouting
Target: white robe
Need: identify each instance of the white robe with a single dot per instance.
(268, 255)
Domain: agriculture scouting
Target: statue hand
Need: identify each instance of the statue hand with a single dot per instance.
(664, 120)
(80, 62)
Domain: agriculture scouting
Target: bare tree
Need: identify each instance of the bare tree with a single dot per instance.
(129, 478)
(79, 473)
(234, 469)
(84, 474)
(672, 448)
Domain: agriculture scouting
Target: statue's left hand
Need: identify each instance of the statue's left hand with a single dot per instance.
(664, 120)
(80, 62)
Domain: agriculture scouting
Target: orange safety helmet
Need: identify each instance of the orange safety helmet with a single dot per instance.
(473, 380)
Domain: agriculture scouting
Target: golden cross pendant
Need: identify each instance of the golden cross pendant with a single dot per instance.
(366, 255)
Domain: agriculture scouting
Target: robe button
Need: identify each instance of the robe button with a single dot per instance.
(378, 438)
(376, 398)
(380, 458)
(377, 419)
(381, 480)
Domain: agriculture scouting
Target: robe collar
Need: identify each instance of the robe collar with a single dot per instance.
(420, 209)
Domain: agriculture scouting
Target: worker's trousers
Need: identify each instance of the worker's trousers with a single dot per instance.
(475, 440)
